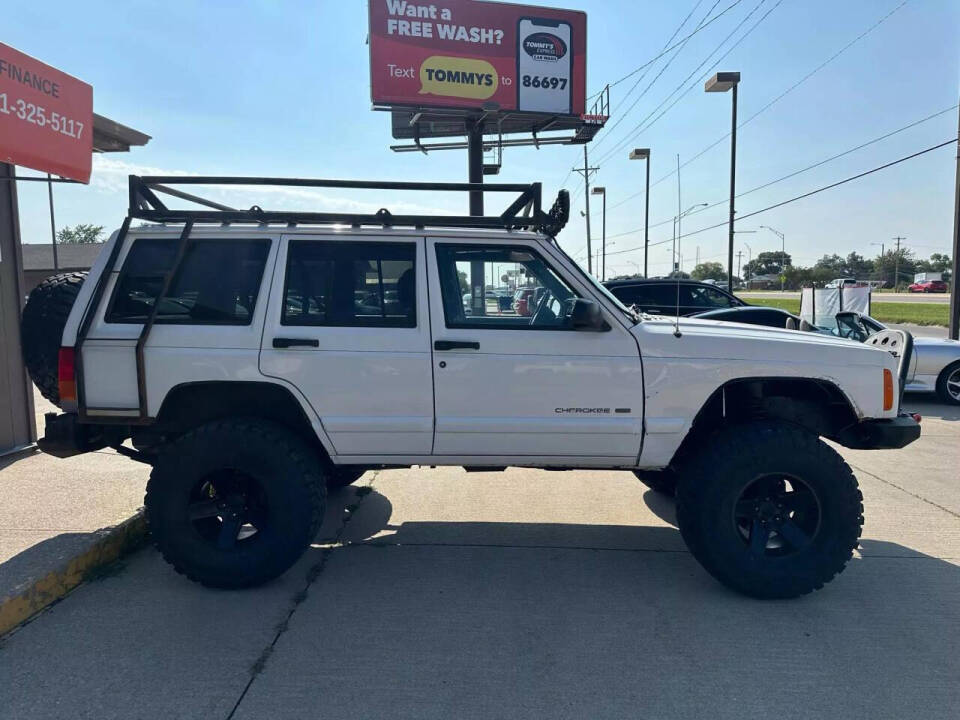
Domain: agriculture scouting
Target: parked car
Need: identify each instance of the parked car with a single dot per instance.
(842, 282)
(522, 304)
(934, 367)
(664, 296)
(235, 360)
(929, 286)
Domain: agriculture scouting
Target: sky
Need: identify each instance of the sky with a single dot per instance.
(281, 88)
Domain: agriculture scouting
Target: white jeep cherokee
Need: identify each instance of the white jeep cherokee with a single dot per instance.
(256, 359)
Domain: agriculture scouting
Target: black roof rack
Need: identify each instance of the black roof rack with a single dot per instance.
(525, 212)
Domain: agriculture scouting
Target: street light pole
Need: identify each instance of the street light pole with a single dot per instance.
(644, 154)
(676, 231)
(783, 252)
(721, 82)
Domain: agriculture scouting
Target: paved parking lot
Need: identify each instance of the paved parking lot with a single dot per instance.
(437, 593)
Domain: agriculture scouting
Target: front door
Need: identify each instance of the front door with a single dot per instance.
(515, 380)
(348, 327)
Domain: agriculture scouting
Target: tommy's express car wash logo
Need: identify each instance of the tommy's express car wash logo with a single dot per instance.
(458, 77)
(544, 47)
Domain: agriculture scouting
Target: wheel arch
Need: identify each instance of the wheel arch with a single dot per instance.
(815, 404)
(191, 404)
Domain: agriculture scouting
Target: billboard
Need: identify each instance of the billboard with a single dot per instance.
(468, 54)
(46, 117)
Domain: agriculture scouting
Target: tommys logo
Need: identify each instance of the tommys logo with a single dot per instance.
(544, 46)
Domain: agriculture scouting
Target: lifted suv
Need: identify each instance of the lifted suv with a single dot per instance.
(256, 359)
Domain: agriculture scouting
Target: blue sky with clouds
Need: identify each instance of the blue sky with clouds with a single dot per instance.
(281, 87)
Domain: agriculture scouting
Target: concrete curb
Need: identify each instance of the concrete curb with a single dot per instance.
(110, 544)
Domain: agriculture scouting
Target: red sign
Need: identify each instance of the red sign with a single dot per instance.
(46, 117)
(468, 54)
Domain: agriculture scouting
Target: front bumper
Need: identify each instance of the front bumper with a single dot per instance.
(64, 436)
(881, 434)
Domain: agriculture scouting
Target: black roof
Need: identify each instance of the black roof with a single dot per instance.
(658, 281)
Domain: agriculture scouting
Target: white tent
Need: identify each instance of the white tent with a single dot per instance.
(823, 304)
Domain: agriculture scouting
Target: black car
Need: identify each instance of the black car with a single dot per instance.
(754, 315)
(660, 296)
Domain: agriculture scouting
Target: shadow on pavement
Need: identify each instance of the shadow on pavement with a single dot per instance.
(494, 619)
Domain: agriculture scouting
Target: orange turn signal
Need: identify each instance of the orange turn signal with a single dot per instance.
(887, 390)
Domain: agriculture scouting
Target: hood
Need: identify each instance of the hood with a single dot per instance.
(739, 341)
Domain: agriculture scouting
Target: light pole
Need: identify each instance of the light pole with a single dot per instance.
(636, 265)
(676, 222)
(883, 250)
(721, 82)
(783, 252)
(600, 190)
(644, 154)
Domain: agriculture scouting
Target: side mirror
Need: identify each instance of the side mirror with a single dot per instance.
(586, 315)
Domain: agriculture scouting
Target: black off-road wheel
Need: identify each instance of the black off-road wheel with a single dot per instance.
(769, 509)
(234, 503)
(661, 481)
(44, 317)
(343, 475)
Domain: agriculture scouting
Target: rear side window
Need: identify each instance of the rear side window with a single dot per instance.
(216, 284)
(352, 284)
(646, 295)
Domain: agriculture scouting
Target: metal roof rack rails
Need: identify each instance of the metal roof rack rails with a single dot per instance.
(525, 212)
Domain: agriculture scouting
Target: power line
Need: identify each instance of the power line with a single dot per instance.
(622, 116)
(667, 50)
(805, 169)
(643, 125)
(770, 104)
(798, 197)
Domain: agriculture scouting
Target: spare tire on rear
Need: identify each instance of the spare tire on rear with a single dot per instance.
(41, 328)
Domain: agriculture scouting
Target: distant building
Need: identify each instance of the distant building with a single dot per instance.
(38, 261)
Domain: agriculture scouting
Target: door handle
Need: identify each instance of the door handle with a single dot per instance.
(282, 342)
(456, 345)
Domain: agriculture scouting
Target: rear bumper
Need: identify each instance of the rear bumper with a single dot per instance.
(64, 436)
(881, 434)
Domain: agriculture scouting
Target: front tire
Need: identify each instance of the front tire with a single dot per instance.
(948, 384)
(769, 509)
(343, 475)
(661, 481)
(235, 503)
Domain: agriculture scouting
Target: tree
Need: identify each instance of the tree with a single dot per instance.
(80, 235)
(709, 271)
(767, 263)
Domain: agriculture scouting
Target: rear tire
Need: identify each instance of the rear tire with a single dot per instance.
(343, 475)
(44, 317)
(769, 509)
(948, 384)
(661, 481)
(235, 502)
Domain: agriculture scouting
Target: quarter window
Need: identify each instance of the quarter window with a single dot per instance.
(216, 284)
(362, 284)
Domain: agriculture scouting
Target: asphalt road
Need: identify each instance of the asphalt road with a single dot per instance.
(877, 297)
(439, 594)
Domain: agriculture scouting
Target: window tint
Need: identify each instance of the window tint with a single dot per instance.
(518, 289)
(703, 297)
(365, 284)
(647, 296)
(217, 282)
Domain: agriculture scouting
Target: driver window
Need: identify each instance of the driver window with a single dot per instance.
(518, 289)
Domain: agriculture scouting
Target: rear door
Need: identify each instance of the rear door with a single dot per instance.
(348, 326)
(513, 385)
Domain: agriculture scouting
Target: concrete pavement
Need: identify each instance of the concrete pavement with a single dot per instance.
(438, 593)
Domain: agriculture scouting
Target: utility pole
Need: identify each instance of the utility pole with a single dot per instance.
(587, 171)
(896, 263)
(739, 255)
(955, 276)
